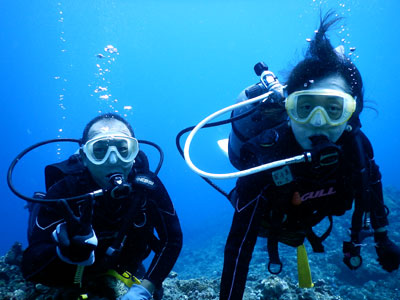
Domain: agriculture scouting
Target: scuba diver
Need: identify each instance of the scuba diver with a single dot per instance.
(79, 245)
(320, 116)
(301, 157)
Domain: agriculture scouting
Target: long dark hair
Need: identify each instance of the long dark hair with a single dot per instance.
(322, 60)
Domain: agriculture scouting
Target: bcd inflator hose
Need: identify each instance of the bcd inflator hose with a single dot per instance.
(305, 157)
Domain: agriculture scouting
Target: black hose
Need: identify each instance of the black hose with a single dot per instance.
(81, 197)
(22, 154)
(160, 162)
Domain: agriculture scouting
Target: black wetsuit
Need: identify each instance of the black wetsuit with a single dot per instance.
(154, 211)
(319, 192)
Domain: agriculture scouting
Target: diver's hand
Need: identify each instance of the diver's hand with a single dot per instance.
(75, 237)
(388, 252)
(137, 292)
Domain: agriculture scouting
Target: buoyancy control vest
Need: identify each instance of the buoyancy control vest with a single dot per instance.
(264, 136)
(74, 169)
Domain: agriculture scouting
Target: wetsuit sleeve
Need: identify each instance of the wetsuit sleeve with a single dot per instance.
(169, 234)
(377, 207)
(40, 262)
(241, 240)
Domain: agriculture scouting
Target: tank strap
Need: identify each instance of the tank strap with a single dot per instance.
(273, 254)
(273, 239)
(315, 240)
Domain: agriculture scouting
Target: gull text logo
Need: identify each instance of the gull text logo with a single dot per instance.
(318, 194)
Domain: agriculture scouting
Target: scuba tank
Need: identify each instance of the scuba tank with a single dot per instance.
(268, 115)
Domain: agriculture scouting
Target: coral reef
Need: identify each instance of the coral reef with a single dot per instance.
(196, 275)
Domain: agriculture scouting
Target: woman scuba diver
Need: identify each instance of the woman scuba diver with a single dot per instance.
(95, 224)
(317, 120)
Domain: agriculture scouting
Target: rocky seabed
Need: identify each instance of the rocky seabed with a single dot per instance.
(196, 275)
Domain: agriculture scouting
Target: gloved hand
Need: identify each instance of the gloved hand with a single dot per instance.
(388, 252)
(136, 292)
(75, 237)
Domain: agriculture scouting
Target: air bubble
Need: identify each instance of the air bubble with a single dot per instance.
(100, 89)
(110, 49)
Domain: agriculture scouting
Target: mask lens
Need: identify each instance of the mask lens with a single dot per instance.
(305, 105)
(100, 149)
(123, 148)
(333, 105)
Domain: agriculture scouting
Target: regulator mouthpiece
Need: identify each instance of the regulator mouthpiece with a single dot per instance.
(324, 152)
(119, 187)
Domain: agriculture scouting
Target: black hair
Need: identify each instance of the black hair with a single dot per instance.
(322, 60)
(106, 116)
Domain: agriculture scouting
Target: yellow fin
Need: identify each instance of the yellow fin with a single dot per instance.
(126, 277)
(303, 268)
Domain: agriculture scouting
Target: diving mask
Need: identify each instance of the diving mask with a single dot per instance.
(336, 107)
(99, 149)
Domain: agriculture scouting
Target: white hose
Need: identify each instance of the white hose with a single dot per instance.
(296, 159)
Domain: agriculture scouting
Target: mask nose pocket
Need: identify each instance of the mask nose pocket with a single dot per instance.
(318, 119)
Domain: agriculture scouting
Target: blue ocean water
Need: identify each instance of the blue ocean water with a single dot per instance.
(166, 65)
